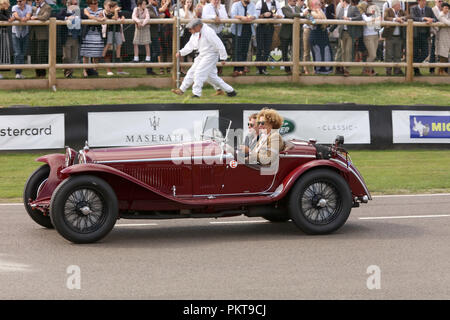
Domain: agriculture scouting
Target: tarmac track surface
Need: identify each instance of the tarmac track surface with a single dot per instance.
(407, 237)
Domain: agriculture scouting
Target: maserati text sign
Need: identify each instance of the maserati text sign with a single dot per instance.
(137, 128)
(324, 126)
(420, 126)
(39, 131)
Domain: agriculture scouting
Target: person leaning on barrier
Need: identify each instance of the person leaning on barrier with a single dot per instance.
(421, 13)
(39, 36)
(265, 9)
(394, 36)
(20, 34)
(290, 11)
(270, 143)
(443, 49)
(5, 51)
(245, 11)
(215, 10)
(92, 42)
(318, 39)
(348, 33)
(370, 35)
(186, 12)
(155, 47)
(71, 35)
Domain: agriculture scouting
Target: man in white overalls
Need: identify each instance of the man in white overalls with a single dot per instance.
(204, 69)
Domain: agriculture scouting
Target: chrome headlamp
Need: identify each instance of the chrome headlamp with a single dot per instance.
(70, 157)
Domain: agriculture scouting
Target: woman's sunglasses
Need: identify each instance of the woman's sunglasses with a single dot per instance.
(250, 125)
(261, 123)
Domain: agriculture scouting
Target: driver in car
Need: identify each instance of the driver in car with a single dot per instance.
(270, 143)
(253, 135)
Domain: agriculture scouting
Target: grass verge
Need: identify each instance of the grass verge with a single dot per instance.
(385, 172)
(269, 93)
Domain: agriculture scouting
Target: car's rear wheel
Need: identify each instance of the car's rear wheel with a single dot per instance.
(84, 209)
(320, 202)
(32, 188)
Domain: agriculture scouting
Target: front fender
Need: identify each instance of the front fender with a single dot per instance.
(354, 181)
(56, 163)
(53, 160)
(94, 167)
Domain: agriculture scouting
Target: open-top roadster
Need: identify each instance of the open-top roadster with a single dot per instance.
(82, 194)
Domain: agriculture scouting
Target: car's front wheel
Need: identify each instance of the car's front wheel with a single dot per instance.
(320, 202)
(84, 209)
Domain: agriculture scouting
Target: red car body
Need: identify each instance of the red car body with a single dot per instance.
(150, 182)
(144, 178)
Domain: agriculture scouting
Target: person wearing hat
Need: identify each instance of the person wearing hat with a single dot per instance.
(204, 69)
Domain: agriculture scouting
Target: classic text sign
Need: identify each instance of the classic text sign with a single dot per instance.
(324, 126)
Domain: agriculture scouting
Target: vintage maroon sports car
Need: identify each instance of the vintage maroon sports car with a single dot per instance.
(83, 194)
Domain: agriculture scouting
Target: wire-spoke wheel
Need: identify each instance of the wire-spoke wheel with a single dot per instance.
(84, 209)
(34, 185)
(320, 202)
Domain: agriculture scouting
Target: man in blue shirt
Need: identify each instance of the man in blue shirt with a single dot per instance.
(245, 11)
(20, 34)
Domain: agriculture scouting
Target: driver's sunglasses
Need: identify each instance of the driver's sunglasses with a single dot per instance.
(250, 125)
(261, 123)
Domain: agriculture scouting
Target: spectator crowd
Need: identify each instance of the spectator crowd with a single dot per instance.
(21, 44)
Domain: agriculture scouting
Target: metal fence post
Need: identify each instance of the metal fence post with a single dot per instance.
(52, 53)
(296, 50)
(175, 49)
(409, 50)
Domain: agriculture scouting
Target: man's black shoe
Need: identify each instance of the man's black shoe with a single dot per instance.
(232, 94)
(195, 96)
(151, 73)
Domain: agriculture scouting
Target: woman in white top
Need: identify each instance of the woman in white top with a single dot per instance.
(370, 34)
(186, 12)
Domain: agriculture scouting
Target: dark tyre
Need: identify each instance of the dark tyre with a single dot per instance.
(320, 202)
(34, 184)
(84, 209)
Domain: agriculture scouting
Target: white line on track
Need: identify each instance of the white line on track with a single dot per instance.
(135, 224)
(12, 204)
(237, 222)
(412, 195)
(406, 217)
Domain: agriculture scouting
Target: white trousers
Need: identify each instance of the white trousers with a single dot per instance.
(204, 70)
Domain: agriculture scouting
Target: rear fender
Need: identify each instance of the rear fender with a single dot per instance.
(357, 186)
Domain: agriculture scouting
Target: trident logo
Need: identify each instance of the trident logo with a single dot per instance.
(154, 122)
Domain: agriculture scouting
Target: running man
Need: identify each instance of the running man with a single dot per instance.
(204, 69)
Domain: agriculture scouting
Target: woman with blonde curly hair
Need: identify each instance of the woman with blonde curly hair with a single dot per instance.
(270, 142)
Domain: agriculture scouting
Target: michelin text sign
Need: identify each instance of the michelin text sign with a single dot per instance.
(40, 131)
(324, 126)
(136, 128)
(421, 126)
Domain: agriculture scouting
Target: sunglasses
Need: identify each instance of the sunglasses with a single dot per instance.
(251, 125)
(261, 123)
